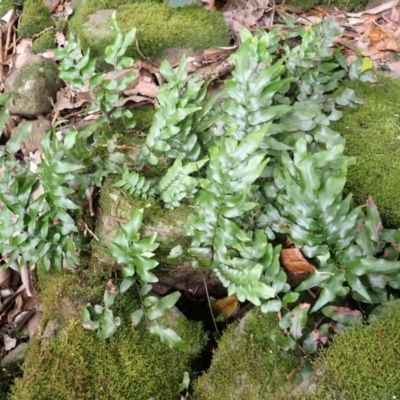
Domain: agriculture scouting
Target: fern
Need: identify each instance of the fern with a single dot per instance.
(223, 245)
(136, 185)
(177, 184)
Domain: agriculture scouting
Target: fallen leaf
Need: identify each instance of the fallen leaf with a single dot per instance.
(26, 278)
(217, 53)
(226, 306)
(293, 261)
(5, 277)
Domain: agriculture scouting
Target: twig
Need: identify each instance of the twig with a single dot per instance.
(50, 28)
(146, 58)
(211, 311)
(9, 28)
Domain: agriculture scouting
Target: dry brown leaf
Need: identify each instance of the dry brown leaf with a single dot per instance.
(26, 279)
(148, 89)
(294, 261)
(5, 277)
(135, 99)
(217, 53)
(383, 39)
(226, 306)
(60, 39)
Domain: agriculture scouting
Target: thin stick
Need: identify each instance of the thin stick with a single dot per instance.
(211, 311)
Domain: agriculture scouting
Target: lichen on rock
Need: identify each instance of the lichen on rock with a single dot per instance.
(32, 86)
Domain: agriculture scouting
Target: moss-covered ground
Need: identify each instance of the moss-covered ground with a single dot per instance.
(78, 365)
(247, 364)
(362, 362)
(372, 135)
(44, 42)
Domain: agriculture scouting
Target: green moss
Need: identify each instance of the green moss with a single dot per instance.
(44, 42)
(342, 5)
(247, 364)
(77, 365)
(372, 135)
(144, 117)
(131, 365)
(6, 5)
(362, 362)
(80, 288)
(191, 27)
(35, 18)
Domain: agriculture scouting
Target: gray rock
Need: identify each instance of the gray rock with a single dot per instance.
(15, 356)
(32, 85)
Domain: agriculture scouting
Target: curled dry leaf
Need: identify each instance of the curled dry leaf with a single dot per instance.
(226, 306)
(217, 53)
(26, 279)
(111, 288)
(293, 261)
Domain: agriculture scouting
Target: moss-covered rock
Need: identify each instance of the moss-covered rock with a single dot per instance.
(35, 18)
(6, 5)
(76, 364)
(247, 364)
(372, 135)
(44, 42)
(190, 27)
(342, 5)
(362, 362)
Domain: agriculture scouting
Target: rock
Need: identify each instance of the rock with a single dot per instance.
(189, 29)
(39, 128)
(15, 356)
(176, 273)
(32, 85)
